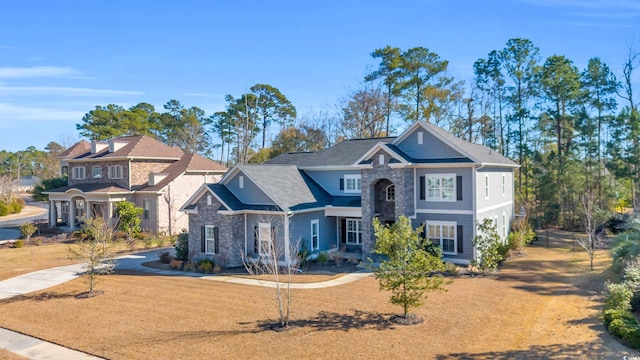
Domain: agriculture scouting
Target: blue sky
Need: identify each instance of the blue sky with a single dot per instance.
(59, 59)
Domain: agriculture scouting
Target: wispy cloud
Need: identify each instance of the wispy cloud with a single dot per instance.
(35, 72)
(10, 114)
(62, 91)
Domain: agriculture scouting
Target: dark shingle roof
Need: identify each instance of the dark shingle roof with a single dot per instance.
(234, 203)
(480, 153)
(344, 153)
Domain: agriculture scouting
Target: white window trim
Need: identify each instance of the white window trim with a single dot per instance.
(420, 138)
(504, 226)
(208, 250)
(441, 176)
(358, 183)
(387, 192)
(504, 184)
(81, 170)
(241, 182)
(98, 175)
(455, 234)
(115, 174)
(357, 231)
(315, 222)
(486, 186)
(264, 229)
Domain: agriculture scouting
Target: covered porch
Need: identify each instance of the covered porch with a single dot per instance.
(68, 209)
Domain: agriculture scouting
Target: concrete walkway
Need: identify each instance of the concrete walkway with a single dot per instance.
(37, 349)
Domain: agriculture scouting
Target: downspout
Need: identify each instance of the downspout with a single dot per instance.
(475, 205)
(245, 236)
(415, 195)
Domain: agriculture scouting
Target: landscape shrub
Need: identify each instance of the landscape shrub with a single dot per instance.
(450, 268)
(625, 246)
(4, 209)
(323, 257)
(175, 264)
(26, 230)
(618, 296)
(182, 246)
(147, 241)
(173, 239)
(205, 266)
(160, 239)
(189, 266)
(37, 241)
(17, 204)
(165, 257)
(18, 244)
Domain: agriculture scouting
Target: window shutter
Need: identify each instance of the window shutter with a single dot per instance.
(255, 240)
(459, 187)
(203, 239)
(343, 238)
(460, 240)
(216, 239)
(424, 231)
(422, 187)
(341, 183)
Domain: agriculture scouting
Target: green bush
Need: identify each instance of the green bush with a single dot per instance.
(624, 325)
(503, 251)
(16, 205)
(37, 241)
(323, 257)
(18, 244)
(148, 241)
(4, 209)
(618, 297)
(182, 247)
(205, 266)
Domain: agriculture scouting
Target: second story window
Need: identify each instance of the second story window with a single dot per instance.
(78, 173)
(115, 172)
(96, 172)
(441, 187)
(352, 183)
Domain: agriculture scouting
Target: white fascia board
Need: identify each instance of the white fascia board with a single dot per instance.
(380, 146)
(449, 165)
(501, 165)
(343, 211)
(327, 168)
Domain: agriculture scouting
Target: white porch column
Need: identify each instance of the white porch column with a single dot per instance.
(72, 214)
(88, 206)
(109, 216)
(53, 215)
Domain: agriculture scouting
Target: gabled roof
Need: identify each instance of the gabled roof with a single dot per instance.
(344, 153)
(476, 153)
(189, 163)
(286, 185)
(79, 148)
(391, 151)
(140, 146)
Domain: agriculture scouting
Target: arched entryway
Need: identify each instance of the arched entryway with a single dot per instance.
(385, 201)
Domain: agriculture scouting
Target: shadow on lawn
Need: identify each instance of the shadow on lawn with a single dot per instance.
(37, 297)
(330, 321)
(584, 350)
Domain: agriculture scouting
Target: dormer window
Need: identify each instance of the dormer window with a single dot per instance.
(96, 172)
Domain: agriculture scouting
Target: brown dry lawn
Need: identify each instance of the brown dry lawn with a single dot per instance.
(546, 304)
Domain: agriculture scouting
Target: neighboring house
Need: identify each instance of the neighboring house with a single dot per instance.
(326, 200)
(26, 183)
(156, 177)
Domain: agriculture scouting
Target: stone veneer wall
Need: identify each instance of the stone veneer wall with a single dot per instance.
(104, 179)
(140, 170)
(403, 180)
(231, 241)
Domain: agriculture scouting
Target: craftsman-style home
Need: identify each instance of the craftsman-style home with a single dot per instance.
(326, 200)
(156, 177)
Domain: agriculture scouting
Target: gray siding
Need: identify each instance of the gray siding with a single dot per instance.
(300, 230)
(495, 197)
(431, 148)
(468, 231)
(330, 180)
(250, 193)
(276, 221)
(467, 190)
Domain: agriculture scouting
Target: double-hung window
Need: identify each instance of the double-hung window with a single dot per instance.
(315, 234)
(443, 233)
(115, 172)
(352, 183)
(265, 238)
(79, 172)
(486, 186)
(441, 187)
(210, 239)
(354, 232)
(146, 205)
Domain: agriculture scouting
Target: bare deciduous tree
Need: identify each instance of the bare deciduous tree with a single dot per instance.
(278, 260)
(591, 217)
